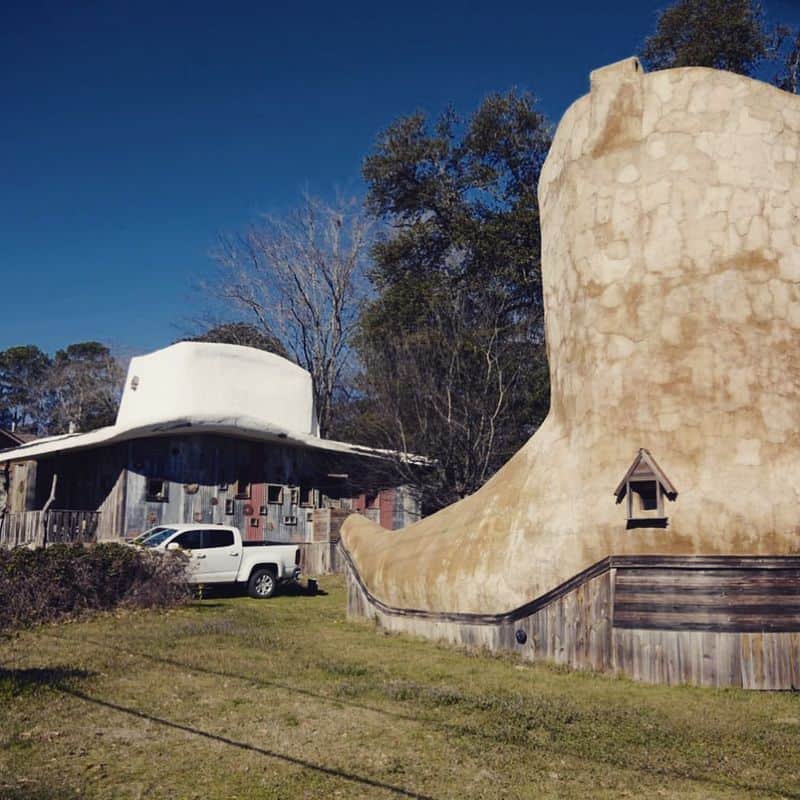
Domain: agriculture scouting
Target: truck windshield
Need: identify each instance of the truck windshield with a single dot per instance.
(155, 539)
(147, 534)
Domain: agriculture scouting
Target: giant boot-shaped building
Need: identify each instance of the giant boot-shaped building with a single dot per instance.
(668, 467)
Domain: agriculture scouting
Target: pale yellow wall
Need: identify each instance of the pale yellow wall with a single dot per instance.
(671, 264)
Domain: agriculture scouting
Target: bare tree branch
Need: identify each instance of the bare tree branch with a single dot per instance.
(302, 277)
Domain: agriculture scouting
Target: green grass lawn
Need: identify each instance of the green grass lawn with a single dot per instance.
(236, 698)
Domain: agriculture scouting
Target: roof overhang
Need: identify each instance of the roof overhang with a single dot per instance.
(237, 427)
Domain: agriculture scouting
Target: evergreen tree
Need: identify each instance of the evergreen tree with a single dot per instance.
(723, 34)
(24, 373)
(453, 343)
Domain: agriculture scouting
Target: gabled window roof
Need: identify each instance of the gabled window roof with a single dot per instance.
(644, 468)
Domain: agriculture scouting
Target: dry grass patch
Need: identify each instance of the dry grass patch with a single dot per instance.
(236, 698)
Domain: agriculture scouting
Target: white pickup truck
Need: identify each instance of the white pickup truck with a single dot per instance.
(217, 554)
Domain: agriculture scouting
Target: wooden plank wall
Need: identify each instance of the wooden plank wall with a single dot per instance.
(737, 599)
(319, 558)
(707, 658)
(714, 622)
(573, 629)
(112, 508)
(202, 472)
(21, 528)
(71, 526)
(407, 508)
(328, 524)
(749, 637)
(22, 486)
(92, 480)
(35, 528)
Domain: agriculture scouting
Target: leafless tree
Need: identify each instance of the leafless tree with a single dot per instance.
(302, 278)
(448, 390)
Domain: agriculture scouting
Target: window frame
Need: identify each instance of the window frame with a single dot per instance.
(657, 498)
(208, 532)
(187, 534)
(307, 497)
(156, 497)
(244, 489)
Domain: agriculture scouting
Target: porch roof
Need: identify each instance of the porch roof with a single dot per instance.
(237, 427)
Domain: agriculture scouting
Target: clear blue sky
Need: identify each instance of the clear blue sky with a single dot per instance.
(132, 133)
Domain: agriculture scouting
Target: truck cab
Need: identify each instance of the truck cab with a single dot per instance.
(218, 554)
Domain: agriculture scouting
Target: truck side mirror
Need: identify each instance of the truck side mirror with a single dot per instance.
(173, 546)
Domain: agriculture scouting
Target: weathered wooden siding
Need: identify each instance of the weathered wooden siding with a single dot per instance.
(386, 503)
(407, 508)
(85, 481)
(21, 477)
(22, 528)
(738, 600)
(319, 558)
(706, 658)
(36, 528)
(392, 509)
(328, 524)
(712, 622)
(750, 637)
(573, 629)
(320, 555)
(112, 507)
(204, 475)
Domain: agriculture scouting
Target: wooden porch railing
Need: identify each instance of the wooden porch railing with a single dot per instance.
(39, 527)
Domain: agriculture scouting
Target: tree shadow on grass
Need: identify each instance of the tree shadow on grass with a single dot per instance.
(66, 681)
(25, 791)
(298, 590)
(290, 589)
(294, 760)
(457, 729)
(15, 682)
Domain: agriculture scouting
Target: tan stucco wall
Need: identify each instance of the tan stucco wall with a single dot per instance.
(671, 263)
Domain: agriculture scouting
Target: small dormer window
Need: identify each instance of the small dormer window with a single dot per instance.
(243, 488)
(274, 494)
(308, 497)
(645, 486)
(157, 490)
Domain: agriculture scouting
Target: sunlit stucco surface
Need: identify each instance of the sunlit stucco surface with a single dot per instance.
(671, 264)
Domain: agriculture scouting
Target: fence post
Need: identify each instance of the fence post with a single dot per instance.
(46, 508)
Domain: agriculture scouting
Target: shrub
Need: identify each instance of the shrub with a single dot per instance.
(47, 584)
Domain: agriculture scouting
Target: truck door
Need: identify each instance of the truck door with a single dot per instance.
(191, 542)
(219, 556)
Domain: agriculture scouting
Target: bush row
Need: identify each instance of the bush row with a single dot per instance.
(48, 584)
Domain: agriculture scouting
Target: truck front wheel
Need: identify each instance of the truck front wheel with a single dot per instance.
(262, 584)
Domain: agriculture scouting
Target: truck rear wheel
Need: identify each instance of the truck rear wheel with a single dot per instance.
(262, 584)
